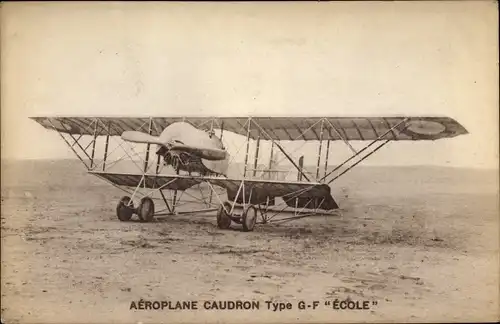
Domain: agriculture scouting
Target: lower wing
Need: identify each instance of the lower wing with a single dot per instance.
(306, 195)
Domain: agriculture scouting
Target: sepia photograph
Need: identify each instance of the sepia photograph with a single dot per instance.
(249, 162)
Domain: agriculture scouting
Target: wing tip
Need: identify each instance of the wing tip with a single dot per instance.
(459, 128)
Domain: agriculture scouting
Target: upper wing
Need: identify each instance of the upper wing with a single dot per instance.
(357, 128)
(398, 128)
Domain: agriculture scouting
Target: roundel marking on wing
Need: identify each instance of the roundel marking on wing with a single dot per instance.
(423, 128)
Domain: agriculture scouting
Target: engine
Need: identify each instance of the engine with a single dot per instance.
(178, 159)
(182, 161)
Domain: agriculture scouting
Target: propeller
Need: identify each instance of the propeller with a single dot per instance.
(139, 137)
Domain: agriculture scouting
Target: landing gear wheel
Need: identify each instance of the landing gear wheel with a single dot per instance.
(249, 218)
(223, 219)
(124, 211)
(146, 210)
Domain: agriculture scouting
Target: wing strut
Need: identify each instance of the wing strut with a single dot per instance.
(320, 147)
(346, 142)
(146, 160)
(248, 147)
(327, 155)
(106, 147)
(361, 151)
(292, 161)
(70, 146)
(256, 158)
(282, 150)
(358, 162)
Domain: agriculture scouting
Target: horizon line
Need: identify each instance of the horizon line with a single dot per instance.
(13, 159)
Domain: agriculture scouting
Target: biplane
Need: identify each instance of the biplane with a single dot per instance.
(194, 161)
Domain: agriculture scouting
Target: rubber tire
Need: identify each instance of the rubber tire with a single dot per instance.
(146, 210)
(223, 219)
(249, 218)
(124, 212)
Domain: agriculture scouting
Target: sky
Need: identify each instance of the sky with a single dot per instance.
(226, 59)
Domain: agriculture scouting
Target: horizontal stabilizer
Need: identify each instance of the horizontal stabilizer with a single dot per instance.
(139, 137)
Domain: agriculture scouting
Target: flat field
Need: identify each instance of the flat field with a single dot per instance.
(422, 242)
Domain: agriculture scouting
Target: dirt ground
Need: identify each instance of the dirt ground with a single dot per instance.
(421, 242)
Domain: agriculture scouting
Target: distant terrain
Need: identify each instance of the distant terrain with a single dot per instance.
(421, 241)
